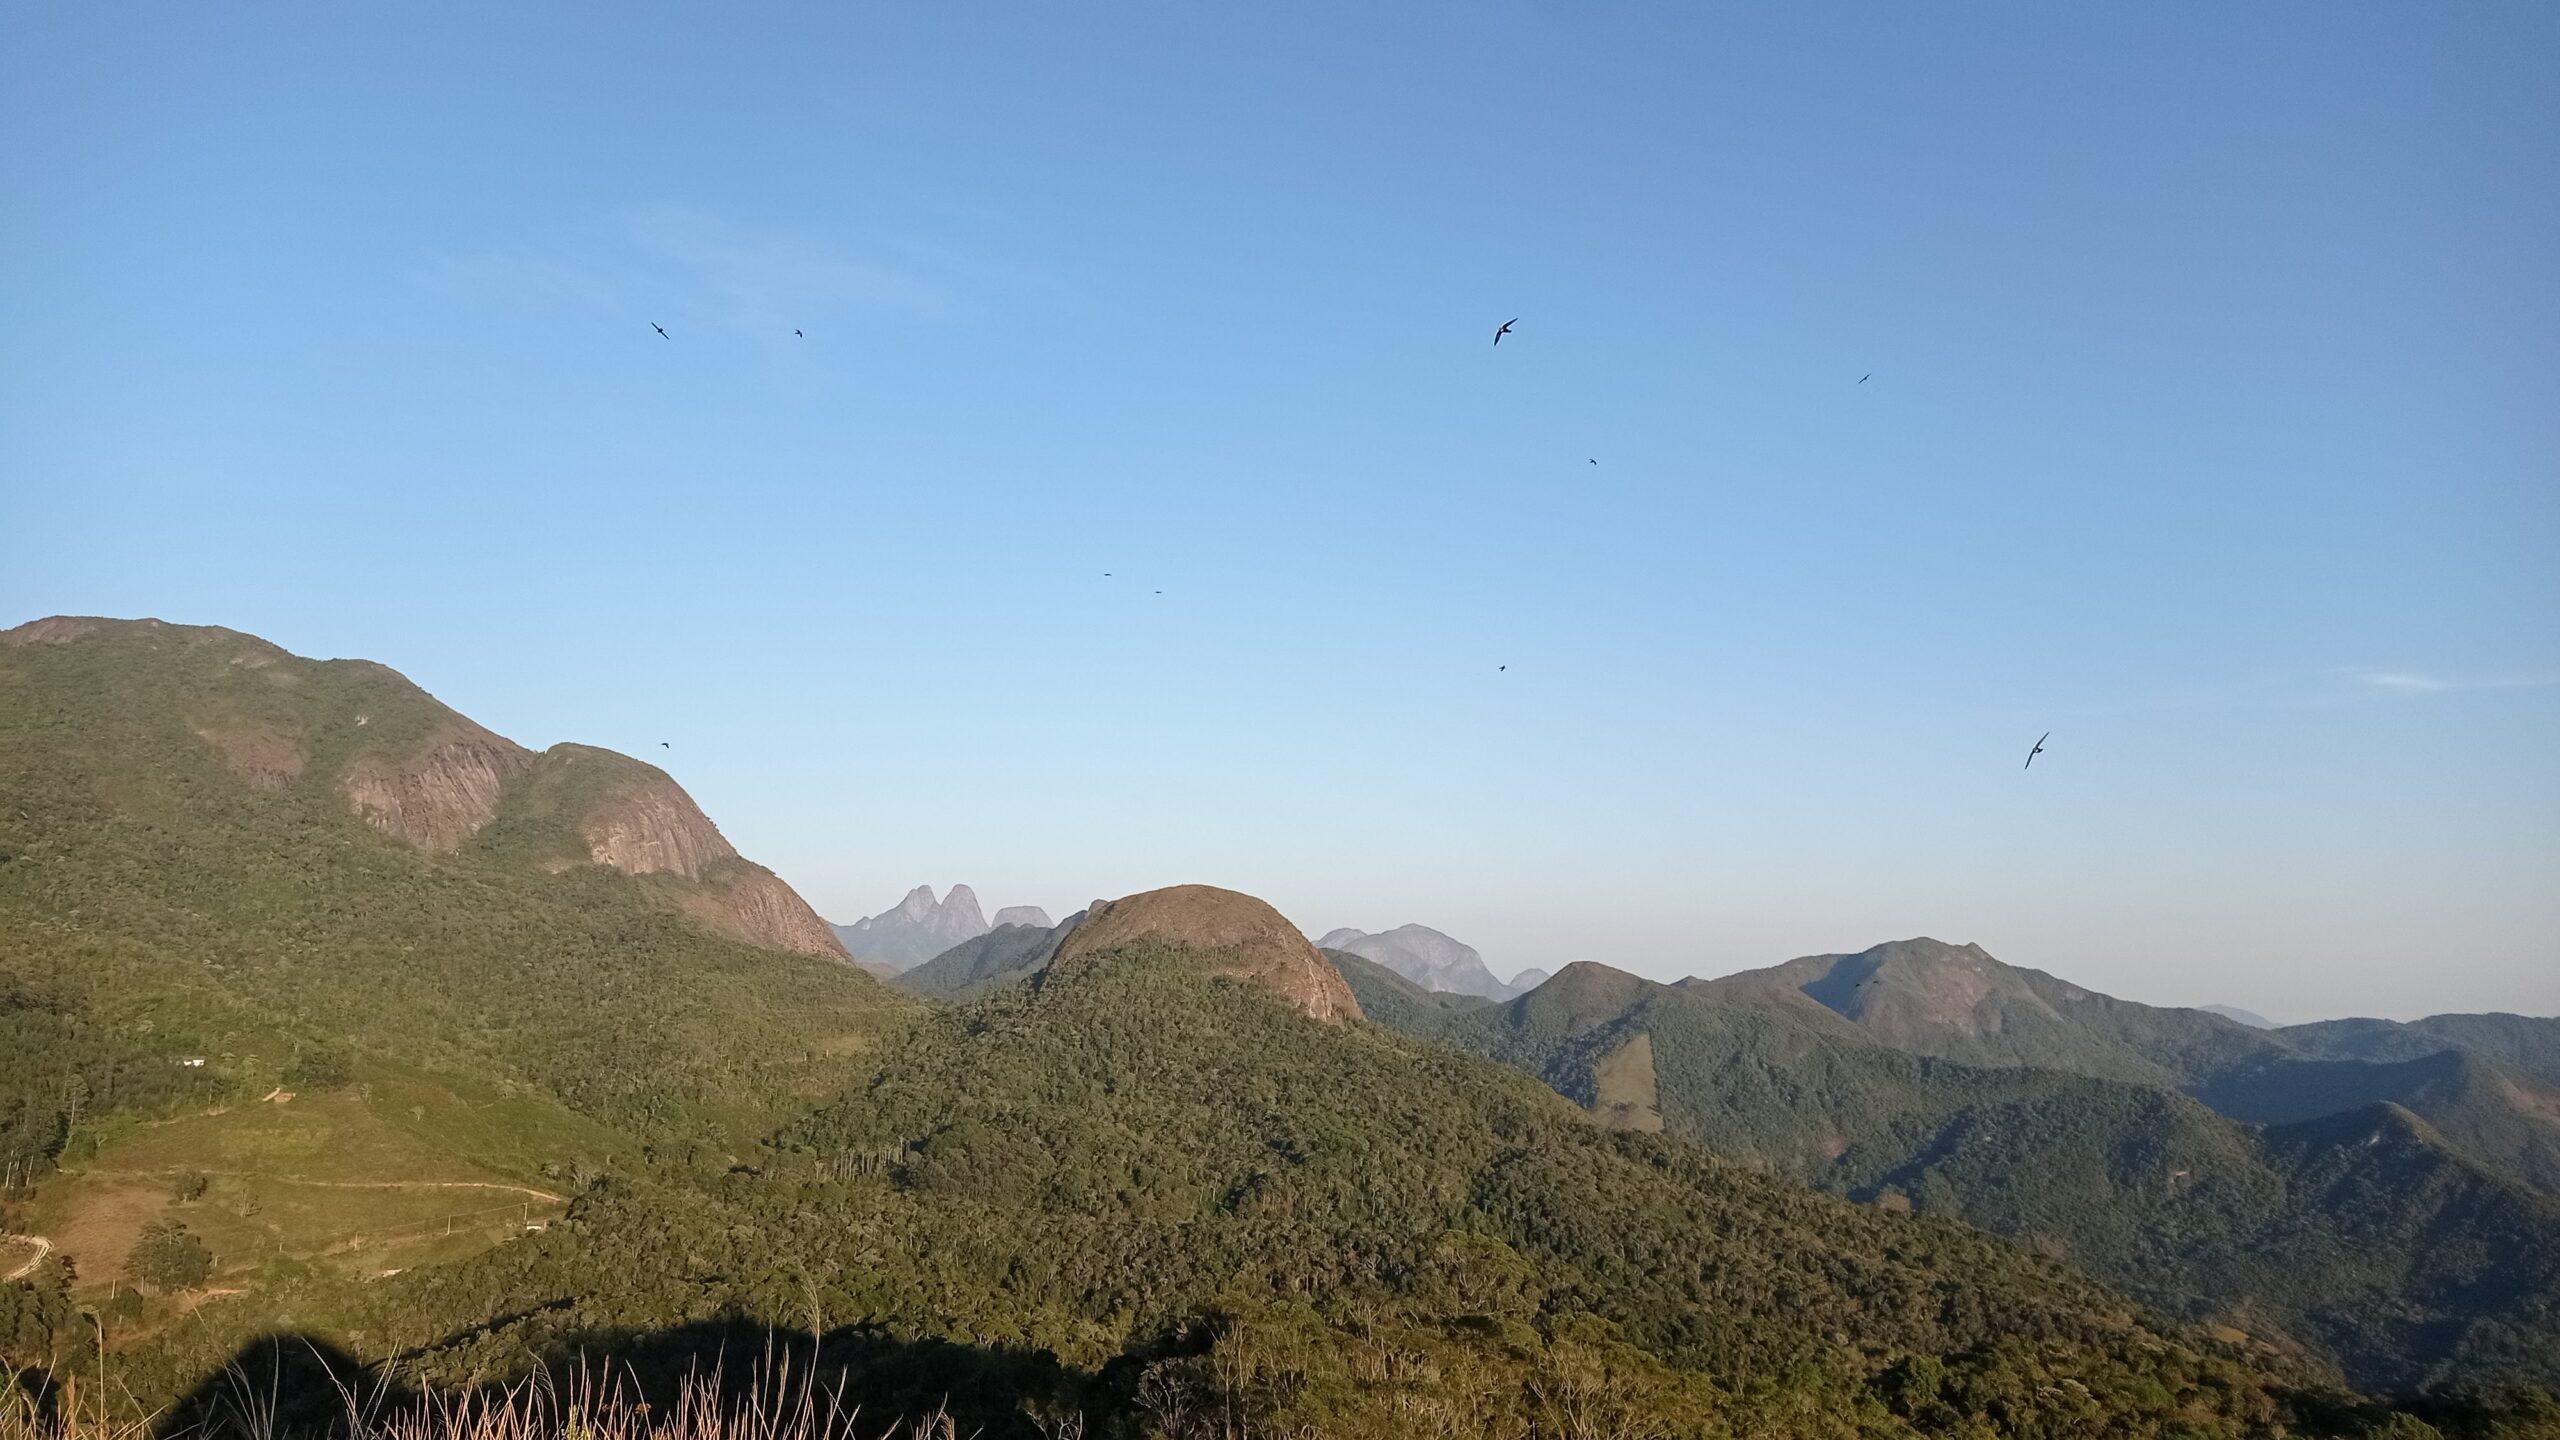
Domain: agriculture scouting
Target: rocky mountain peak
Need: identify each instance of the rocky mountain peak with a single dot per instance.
(1238, 936)
(916, 929)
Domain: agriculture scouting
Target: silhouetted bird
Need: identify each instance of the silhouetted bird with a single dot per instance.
(2032, 754)
(1595, 462)
(795, 332)
(1863, 379)
(661, 329)
(1505, 330)
(663, 745)
(1501, 667)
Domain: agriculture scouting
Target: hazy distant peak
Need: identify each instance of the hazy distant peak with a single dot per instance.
(1031, 915)
(2250, 1018)
(916, 929)
(1424, 956)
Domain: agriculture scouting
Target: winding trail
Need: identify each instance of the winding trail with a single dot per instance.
(43, 1246)
(336, 1184)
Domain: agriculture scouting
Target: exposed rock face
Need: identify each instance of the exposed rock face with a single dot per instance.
(1031, 915)
(916, 929)
(752, 903)
(1424, 956)
(651, 827)
(429, 777)
(442, 793)
(633, 817)
(1238, 936)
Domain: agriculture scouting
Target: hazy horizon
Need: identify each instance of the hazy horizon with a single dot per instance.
(2214, 426)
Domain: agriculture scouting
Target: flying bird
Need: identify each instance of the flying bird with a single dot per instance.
(1863, 379)
(1595, 462)
(663, 745)
(661, 329)
(796, 332)
(1505, 330)
(2032, 754)
(1501, 667)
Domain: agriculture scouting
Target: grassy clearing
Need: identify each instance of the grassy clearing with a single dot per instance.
(329, 1177)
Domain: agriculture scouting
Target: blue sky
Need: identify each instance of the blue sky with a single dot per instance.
(2214, 426)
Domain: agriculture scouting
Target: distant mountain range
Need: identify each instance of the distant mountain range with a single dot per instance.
(920, 927)
(2484, 1083)
(2363, 1232)
(1431, 960)
(471, 1058)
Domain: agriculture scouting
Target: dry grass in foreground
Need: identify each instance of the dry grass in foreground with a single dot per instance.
(590, 1404)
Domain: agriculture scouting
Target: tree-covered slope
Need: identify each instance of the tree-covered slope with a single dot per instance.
(1956, 1002)
(219, 851)
(1000, 956)
(2526, 1044)
(2424, 1267)
(1132, 1138)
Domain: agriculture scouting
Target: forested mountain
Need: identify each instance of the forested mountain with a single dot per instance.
(2396, 1259)
(2480, 1081)
(1394, 1001)
(299, 958)
(1008, 952)
(326, 1012)
(2526, 1044)
(221, 851)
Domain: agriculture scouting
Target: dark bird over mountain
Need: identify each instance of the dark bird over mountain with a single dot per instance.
(1505, 330)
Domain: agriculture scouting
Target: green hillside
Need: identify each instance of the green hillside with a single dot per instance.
(198, 913)
(2478, 1080)
(490, 1080)
(1195, 1197)
(1002, 955)
(2422, 1268)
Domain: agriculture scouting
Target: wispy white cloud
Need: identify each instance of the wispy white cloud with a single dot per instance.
(760, 280)
(2401, 682)
(704, 269)
(2413, 682)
